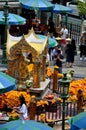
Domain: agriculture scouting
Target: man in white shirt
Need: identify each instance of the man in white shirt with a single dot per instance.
(64, 35)
(64, 32)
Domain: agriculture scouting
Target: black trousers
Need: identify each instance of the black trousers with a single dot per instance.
(82, 50)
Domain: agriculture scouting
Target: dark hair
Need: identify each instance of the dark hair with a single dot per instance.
(59, 51)
(22, 100)
(73, 41)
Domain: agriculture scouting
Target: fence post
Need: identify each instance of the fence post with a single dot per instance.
(32, 108)
(79, 101)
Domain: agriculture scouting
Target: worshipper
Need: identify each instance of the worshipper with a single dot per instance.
(59, 61)
(22, 110)
(54, 54)
(70, 53)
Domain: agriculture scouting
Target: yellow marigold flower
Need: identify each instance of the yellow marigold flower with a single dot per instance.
(46, 102)
(56, 67)
(49, 72)
(53, 101)
(33, 96)
(38, 103)
(30, 67)
(43, 117)
(60, 75)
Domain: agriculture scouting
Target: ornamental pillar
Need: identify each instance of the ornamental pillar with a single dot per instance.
(32, 108)
(36, 75)
(43, 67)
(55, 79)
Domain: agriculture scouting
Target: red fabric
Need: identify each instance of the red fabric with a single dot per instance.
(63, 41)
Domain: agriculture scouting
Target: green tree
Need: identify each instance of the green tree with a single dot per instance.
(82, 7)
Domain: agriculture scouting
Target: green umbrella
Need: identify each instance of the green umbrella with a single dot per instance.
(61, 9)
(13, 19)
(37, 4)
(75, 118)
(51, 41)
(25, 125)
(7, 83)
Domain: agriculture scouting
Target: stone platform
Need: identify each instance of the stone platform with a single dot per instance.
(42, 91)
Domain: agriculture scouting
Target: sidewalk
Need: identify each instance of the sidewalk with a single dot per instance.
(79, 67)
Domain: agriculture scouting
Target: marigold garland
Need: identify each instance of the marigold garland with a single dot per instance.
(75, 86)
(50, 71)
(11, 99)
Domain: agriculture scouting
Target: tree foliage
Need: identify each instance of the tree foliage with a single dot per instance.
(82, 7)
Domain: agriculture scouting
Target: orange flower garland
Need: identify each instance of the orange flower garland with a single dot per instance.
(77, 85)
(49, 72)
(41, 103)
(12, 98)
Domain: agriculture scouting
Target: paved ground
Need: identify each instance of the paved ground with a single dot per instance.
(79, 67)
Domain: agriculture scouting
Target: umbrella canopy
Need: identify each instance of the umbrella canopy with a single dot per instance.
(24, 125)
(61, 9)
(80, 124)
(51, 41)
(7, 83)
(77, 122)
(13, 19)
(37, 4)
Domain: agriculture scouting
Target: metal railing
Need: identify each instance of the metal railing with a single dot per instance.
(74, 32)
(54, 112)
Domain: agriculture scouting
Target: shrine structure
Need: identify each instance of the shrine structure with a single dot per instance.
(23, 51)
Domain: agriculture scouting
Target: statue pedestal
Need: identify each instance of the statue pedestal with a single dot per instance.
(42, 91)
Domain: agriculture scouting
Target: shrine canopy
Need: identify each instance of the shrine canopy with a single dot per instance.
(31, 40)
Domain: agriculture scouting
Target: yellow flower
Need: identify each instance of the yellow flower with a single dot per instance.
(60, 75)
(56, 67)
(30, 67)
(75, 86)
(33, 96)
(43, 117)
(49, 72)
(12, 98)
(53, 101)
